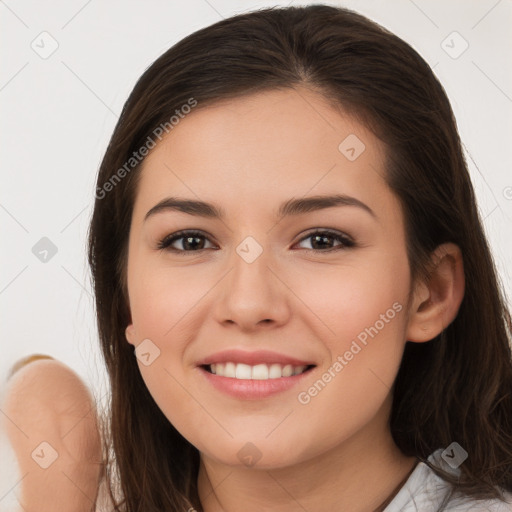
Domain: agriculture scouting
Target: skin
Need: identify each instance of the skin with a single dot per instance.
(307, 304)
(247, 156)
(46, 401)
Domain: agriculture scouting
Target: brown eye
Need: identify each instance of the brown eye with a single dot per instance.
(195, 241)
(323, 241)
(188, 241)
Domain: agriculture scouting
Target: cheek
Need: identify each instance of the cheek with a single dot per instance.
(363, 319)
(163, 312)
(165, 307)
(351, 298)
(365, 313)
(163, 298)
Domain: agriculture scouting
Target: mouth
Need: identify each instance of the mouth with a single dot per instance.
(261, 371)
(253, 375)
(253, 382)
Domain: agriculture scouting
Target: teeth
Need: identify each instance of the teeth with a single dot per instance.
(229, 370)
(243, 371)
(288, 370)
(258, 372)
(298, 369)
(275, 371)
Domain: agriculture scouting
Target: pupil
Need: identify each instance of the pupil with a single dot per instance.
(188, 242)
(323, 238)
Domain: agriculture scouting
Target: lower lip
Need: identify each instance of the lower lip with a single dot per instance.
(246, 389)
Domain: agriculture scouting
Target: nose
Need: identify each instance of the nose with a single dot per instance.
(253, 295)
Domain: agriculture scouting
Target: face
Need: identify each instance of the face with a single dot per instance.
(269, 326)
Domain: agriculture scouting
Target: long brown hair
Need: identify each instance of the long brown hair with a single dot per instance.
(458, 386)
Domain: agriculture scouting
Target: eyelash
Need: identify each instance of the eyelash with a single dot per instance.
(164, 243)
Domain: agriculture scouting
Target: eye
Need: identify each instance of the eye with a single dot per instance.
(194, 241)
(323, 241)
(190, 241)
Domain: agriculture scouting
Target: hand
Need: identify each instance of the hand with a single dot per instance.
(46, 402)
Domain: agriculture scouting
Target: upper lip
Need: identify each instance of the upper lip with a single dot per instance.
(252, 358)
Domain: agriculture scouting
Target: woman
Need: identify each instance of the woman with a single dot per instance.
(347, 329)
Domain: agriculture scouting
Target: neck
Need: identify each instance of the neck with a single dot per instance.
(361, 474)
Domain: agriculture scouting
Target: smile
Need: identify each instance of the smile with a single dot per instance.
(243, 371)
(253, 375)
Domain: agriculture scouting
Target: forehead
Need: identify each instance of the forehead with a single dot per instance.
(273, 145)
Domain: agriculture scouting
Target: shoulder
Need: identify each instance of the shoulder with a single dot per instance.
(426, 492)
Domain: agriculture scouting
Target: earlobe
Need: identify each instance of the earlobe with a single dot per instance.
(130, 334)
(437, 301)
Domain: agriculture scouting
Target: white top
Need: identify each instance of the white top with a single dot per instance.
(424, 491)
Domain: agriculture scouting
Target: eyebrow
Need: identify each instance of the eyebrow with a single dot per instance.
(290, 207)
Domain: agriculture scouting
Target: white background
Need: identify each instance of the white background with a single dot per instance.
(58, 114)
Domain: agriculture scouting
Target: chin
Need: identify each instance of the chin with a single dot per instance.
(258, 454)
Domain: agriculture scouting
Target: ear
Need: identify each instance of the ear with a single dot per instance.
(131, 335)
(437, 299)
